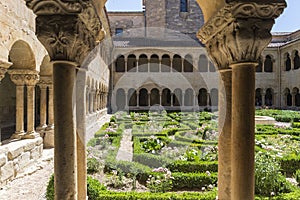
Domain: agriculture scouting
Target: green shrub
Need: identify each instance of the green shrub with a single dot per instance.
(193, 167)
(151, 160)
(297, 176)
(290, 164)
(93, 165)
(296, 124)
(193, 181)
(268, 179)
(94, 187)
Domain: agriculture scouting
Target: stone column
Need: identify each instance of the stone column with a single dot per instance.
(160, 98)
(149, 99)
(237, 43)
(293, 99)
(95, 100)
(137, 99)
(30, 81)
(263, 98)
(43, 108)
(65, 131)
(50, 109)
(18, 78)
(172, 95)
(69, 33)
(126, 101)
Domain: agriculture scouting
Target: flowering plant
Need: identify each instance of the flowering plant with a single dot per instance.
(161, 182)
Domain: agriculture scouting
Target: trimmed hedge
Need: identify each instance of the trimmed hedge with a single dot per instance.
(157, 196)
(290, 164)
(192, 181)
(193, 167)
(151, 160)
(179, 137)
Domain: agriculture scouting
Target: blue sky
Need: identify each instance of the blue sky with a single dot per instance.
(288, 21)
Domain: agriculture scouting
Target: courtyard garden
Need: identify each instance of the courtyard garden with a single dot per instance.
(175, 156)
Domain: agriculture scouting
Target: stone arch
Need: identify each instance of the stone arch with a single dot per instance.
(154, 63)
(120, 64)
(166, 97)
(177, 63)
(296, 60)
(177, 97)
(288, 63)
(189, 97)
(268, 64)
(120, 99)
(143, 97)
(188, 63)
(288, 97)
(202, 97)
(132, 96)
(131, 63)
(269, 97)
(22, 56)
(165, 63)
(143, 63)
(259, 67)
(46, 68)
(258, 97)
(203, 63)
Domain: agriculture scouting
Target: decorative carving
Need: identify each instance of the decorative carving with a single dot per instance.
(24, 77)
(68, 29)
(2, 73)
(239, 32)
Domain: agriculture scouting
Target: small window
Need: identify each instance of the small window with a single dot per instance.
(119, 31)
(183, 6)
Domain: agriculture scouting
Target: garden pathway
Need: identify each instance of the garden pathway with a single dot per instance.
(126, 151)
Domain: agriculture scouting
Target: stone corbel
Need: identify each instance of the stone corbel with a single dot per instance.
(240, 31)
(69, 30)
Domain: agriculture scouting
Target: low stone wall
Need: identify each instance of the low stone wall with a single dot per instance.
(16, 156)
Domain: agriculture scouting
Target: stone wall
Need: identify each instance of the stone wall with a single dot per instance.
(155, 13)
(16, 156)
(186, 22)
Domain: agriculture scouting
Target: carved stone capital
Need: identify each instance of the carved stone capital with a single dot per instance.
(45, 80)
(68, 29)
(24, 77)
(239, 31)
(4, 65)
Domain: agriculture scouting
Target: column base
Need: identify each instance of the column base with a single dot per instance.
(18, 135)
(49, 127)
(41, 127)
(31, 135)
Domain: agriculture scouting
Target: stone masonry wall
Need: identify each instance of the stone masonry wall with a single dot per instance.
(15, 156)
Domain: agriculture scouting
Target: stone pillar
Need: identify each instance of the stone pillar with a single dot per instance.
(95, 100)
(263, 98)
(43, 107)
(126, 101)
(50, 109)
(160, 98)
(293, 99)
(172, 95)
(18, 78)
(65, 161)
(30, 81)
(237, 43)
(137, 99)
(149, 99)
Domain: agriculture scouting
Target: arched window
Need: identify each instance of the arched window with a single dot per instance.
(183, 6)
(143, 63)
(165, 63)
(177, 97)
(202, 97)
(203, 63)
(120, 98)
(188, 63)
(269, 97)
(143, 97)
(258, 97)
(189, 97)
(288, 65)
(166, 97)
(296, 60)
(268, 64)
(131, 63)
(288, 97)
(120, 64)
(214, 97)
(154, 97)
(212, 67)
(177, 63)
(132, 97)
(259, 66)
(154, 63)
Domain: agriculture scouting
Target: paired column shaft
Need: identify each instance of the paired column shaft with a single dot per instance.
(65, 160)
(243, 104)
(30, 109)
(19, 110)
(43, 107)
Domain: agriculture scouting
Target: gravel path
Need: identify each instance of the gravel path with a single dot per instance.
(126, 151)
(31, 185)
